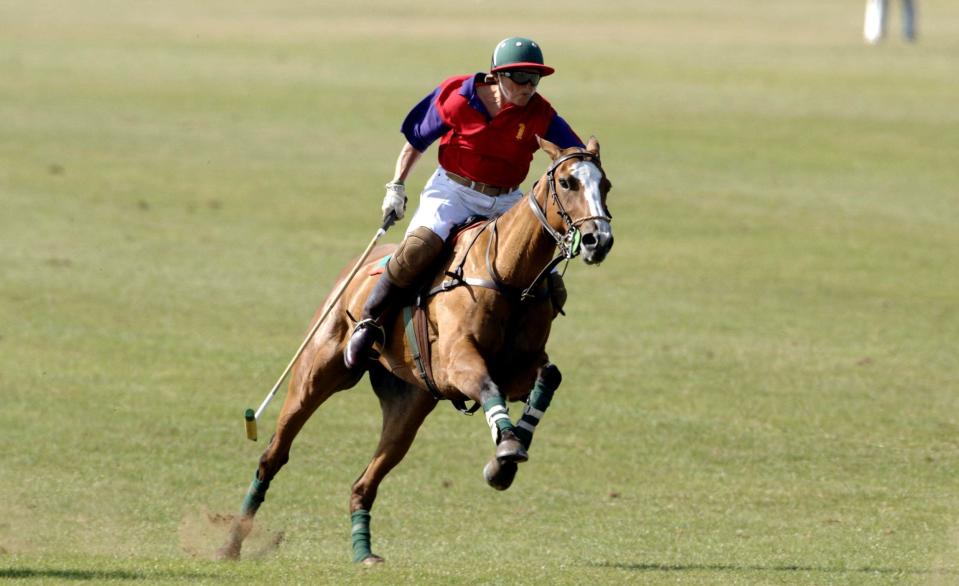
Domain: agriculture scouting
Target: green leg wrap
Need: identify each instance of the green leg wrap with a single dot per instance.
(254, 496)
(534, 411)
(497, 416)
(361, 535)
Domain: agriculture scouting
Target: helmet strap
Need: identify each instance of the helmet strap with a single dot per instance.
(501, 91)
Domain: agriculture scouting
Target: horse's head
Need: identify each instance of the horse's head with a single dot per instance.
(578, 186)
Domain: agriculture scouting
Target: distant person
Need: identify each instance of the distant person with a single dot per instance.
(877, 14)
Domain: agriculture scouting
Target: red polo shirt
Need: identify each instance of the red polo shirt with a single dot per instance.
(496, 150)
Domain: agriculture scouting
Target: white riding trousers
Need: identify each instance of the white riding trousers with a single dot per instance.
(445, 203)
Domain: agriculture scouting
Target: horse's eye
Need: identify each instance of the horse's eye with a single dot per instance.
(564, 183)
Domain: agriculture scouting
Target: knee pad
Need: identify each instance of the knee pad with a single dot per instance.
(420, 249)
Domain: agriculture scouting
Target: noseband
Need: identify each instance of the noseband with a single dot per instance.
(569, 242)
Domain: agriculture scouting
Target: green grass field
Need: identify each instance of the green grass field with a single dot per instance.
(761, 382)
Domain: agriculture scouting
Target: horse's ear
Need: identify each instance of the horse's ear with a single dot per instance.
(551, 149)
(593, 146)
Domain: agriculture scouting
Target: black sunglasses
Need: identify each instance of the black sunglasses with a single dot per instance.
(522, 77)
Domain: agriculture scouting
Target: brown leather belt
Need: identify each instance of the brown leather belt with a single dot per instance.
(484, 188)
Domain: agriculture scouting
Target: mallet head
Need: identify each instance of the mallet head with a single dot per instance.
(250, 417)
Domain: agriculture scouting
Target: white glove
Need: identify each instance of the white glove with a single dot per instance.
(395, 200)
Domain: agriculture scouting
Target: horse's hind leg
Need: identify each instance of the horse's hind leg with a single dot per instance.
(316, 377)
(405, 407)
(500, 474)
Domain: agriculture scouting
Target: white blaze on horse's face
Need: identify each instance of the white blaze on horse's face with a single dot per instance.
(597, 232)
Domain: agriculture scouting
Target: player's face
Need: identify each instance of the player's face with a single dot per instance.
(516, 93)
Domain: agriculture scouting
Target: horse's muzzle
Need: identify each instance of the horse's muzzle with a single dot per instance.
(597, 241)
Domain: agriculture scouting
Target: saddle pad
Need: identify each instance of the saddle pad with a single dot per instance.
(379, 267)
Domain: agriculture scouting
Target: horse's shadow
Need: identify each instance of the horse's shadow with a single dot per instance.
(95, 575)
(662, 567)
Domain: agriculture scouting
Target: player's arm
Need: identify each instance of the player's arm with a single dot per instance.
(405, 162)
(395, 199)
(421, 127)
(560, 134)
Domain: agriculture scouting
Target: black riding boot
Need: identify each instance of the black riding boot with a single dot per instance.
(368, 330)
(418, 251)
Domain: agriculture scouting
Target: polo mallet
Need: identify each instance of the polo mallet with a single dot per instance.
(253, 416)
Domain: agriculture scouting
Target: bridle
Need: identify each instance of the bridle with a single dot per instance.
(568, 243)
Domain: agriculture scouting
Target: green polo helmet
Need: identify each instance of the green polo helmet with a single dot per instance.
(519, 53)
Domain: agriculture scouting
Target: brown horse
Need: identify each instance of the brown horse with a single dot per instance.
(488, 323)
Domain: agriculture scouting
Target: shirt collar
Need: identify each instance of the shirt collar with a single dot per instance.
(468, 91)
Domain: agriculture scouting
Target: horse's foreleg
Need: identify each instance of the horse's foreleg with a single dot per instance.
(547, 381)
(404, 410)
(468, 373)
(500, 474)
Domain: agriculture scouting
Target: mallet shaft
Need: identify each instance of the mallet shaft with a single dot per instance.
(251, 430)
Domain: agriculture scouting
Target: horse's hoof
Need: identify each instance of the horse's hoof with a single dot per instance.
(500, 475)
(229, 552)
(510, 449)
(372, 560)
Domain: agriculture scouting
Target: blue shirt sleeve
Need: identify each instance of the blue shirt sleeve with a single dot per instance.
(423, 124)
(560, 134)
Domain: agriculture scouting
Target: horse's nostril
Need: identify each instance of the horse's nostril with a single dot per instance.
(589, 240)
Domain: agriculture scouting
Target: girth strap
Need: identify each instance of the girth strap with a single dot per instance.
(417, 335)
